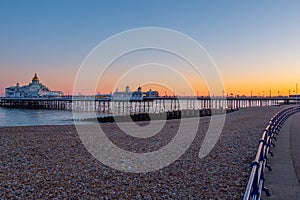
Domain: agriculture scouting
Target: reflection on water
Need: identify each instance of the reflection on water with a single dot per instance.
(32, 117)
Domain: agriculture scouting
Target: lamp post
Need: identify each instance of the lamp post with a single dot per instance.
(296, 93)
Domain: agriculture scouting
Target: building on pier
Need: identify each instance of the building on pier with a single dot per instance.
(133, 95)
(34, 89)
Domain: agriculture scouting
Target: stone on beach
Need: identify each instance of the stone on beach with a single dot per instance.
(51, 162)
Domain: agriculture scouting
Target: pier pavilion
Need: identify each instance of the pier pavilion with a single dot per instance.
(33, 89)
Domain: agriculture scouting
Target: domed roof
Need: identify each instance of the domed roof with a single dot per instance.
(35, 78)
(139, 89)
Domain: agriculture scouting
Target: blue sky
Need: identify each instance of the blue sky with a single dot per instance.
(248, 40)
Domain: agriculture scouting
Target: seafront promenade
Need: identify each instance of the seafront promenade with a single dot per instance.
(283, 181)
(39, 162)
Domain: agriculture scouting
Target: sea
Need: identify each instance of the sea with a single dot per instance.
(36, 117)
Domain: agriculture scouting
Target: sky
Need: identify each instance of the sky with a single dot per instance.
(254, 44)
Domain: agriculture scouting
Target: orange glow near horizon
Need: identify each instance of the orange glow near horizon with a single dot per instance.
(242, 85)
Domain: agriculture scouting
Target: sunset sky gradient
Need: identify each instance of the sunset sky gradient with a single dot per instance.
(255, 44)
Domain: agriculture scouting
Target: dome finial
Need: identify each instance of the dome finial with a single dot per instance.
(35, 79)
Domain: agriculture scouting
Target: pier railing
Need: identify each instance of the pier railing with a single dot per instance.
(255, 185)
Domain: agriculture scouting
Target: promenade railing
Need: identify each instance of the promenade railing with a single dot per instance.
(255, 185)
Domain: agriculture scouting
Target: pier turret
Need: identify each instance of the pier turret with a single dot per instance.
(35, 79)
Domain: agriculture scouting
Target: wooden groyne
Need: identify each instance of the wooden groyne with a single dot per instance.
(179, 114)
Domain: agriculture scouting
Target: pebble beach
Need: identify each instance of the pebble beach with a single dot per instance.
(50, 162)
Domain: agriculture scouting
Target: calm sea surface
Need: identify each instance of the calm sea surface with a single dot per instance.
(31, 117)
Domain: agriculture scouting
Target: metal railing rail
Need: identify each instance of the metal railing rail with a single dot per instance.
(256, 180)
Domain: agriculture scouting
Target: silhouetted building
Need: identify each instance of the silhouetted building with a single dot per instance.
(133, 95)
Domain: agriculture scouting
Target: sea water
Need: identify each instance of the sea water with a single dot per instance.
(35, 117)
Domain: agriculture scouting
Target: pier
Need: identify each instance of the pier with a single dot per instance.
(148, 105)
